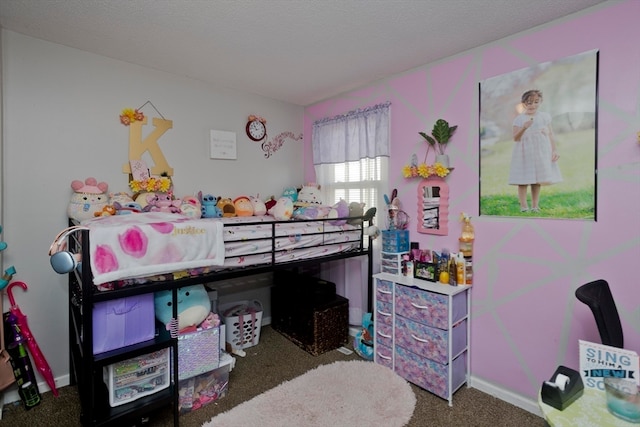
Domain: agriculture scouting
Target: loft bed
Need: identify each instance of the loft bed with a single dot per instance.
(162, 251)
(218, 249)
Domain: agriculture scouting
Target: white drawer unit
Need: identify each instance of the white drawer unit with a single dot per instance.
(422, 332)
(391, 262)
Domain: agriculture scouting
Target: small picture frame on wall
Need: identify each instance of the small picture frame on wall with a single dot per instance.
(537, 132)
(222, 145)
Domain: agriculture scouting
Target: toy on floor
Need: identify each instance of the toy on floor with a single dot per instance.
(363, 341)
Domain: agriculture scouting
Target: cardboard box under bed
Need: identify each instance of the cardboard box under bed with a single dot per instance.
(307, 311)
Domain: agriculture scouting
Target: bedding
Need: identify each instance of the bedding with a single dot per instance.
(130, 249)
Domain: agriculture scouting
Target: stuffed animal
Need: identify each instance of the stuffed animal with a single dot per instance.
(270, 203)
(355, 209)
(162, 202)
(194, 306)
(127, 208)
(259, 207)
(339, 210)
(191, 207)
(121, 197)
(106, 211)
(243, 206)
(283, 209)
(225, 205)
(89, 197)
(291, 192)
(209, 206)
(309, 195)
(311, 212)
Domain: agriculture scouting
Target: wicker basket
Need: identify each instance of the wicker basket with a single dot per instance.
(242, 320)
(317, 329)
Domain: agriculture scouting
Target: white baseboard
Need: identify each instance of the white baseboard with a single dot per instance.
(11, 394)
(506, 395)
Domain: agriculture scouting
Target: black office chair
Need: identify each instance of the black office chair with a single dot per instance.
(597, 296)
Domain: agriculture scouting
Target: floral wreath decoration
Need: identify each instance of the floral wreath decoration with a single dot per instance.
(129, 115)
(154, 184)
(424, 170)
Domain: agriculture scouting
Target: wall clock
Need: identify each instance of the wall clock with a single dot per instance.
(256, 128)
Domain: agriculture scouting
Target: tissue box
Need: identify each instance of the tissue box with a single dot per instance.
(122, 322)
(198, 352)
(195, 392)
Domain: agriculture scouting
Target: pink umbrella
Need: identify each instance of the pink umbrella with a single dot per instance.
(32, 345)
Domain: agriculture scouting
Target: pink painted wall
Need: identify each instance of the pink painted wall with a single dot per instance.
(525, 317)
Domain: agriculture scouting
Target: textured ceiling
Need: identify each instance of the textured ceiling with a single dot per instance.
(297, 51)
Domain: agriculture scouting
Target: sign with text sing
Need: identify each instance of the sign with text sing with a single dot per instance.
(598, 361)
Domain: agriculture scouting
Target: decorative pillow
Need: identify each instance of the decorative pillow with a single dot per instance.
(339, 210)
(243, 206)
(309, 195)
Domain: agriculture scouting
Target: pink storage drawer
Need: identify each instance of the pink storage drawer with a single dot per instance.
(384, 335)
(384, 291)
(430, 375)
(429, 308)
(429, 342)
(122, 322)
(384, 313)
(383, 356)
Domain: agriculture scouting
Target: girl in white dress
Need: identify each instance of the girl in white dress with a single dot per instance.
(534, 160)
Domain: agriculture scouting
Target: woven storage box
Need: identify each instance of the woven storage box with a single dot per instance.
(316, 329)
(198, 352)
(242, 320)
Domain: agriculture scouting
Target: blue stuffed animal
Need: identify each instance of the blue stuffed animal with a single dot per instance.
(210, 207)
(194, 306)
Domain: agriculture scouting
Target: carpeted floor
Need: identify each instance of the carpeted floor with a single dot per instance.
(274, 360)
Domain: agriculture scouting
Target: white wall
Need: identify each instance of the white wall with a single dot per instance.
(61, 109)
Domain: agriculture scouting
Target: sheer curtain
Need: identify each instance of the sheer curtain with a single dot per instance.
(350, 156)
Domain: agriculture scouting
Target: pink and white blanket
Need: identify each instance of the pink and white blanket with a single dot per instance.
(140, 245)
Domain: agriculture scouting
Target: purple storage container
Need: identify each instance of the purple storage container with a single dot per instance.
(122, 322)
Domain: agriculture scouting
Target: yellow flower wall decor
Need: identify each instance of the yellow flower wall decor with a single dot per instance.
(129, 115)
(424, 170)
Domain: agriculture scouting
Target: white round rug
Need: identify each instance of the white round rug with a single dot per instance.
(354, 393)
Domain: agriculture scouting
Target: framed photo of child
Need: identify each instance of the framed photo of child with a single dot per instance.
(538, 140)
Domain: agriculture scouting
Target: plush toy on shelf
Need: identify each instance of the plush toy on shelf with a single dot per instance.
(89, 197)
(282, 210)
(194, 307)
(209, 204)
(191, 207)
(162, 202)
(243, 206)
(226, 206)
(259, 207)
(339, 210)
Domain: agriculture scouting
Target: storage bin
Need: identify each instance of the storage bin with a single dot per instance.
(391, 262)
(122, 322)
(140, 376)
(198, 352)
(198, 391)
(395, 241)
(316, 329)
(243, 320)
